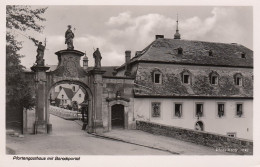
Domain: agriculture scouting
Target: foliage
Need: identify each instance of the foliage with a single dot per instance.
(19, 19)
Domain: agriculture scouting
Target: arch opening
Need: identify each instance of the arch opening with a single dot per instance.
(199, 126)
(71, 100)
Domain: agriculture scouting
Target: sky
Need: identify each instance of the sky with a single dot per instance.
(114, 29)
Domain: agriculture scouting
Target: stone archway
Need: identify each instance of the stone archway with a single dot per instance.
(122, 102)
(81, 84)
(68, 70)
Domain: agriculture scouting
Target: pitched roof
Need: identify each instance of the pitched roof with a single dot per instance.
(69, 92)
(195, 52)
(109, 70)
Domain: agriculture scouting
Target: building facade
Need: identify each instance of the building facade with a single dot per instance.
(195, 85)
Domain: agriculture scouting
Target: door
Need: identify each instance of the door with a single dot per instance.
(117, 116)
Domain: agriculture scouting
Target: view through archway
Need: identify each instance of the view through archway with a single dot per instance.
(70, 101)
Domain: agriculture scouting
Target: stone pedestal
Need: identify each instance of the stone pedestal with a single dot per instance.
(97, 126)
(41, 120)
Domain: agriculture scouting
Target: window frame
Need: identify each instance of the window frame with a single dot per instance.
(174, 107)
(243, 111)
(203, 110)
(186, 72)
(240, 77)
(217, 110)
(179, 51)
(211, 75)
(243, 55)
(232, 133)
(160, 110)
(160, 77)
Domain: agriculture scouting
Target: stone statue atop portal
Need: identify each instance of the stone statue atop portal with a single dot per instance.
(40, 53)
(97, 57)
(69, 35)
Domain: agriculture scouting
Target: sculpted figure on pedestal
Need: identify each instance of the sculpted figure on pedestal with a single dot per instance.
(97, 57)
(69, 35)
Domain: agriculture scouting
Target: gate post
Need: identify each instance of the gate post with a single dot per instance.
(97, 97)
(40, 124)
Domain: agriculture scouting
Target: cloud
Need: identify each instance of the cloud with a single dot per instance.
(128, 31)
(121, 19)
(140, 30)
(221, 26)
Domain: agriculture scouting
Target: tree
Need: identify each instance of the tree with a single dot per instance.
(19, 19)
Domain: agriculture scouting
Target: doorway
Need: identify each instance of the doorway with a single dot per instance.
(199, 126)
(117, 116)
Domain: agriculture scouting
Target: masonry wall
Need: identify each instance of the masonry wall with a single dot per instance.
(219, 142)
(242, 126)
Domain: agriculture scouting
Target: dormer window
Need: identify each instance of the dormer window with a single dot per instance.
(73, 88)
(213, 78)
(243, 55)
(180, 51)
(186, 77)
(210, 53)
(238, 79)
(157, 76)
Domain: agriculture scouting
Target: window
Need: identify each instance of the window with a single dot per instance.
(213, 78)
(65, 101)
(199, 110)
(73, 88)
(156, 109)
(238, 79)
(221, 110)
(186, 79)
(62, 96)
(79, 95)
(180, 50)
(243, 55)
(60, 88)
(178, 110)
(239, 109)
(210, 53)
(231, 134)
(157, 77)
(186, 76)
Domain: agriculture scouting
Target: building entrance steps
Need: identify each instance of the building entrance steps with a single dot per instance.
(163, 143)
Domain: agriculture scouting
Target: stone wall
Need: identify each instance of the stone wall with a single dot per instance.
(64, 113)
(219, 142)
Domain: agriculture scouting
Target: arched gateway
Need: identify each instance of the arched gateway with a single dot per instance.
(103, 90)
(68, 71)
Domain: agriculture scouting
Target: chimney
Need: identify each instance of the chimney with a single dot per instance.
(127, 61)
(159, 36)
(85, 62)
